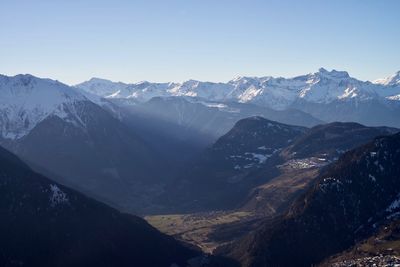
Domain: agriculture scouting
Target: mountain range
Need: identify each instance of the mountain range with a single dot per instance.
(105, 138)
(326, 95)
(291, 157)
(61, 133)
(277, 93)
(237, 169)
(27, 100)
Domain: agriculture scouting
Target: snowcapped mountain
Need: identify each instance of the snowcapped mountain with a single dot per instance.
(320, 87)
(62, 133)
(325, 95)
(277, 93)
(102, 87)
(393, 80)
(141, 91)
(392, 84)
(76, 137)
(26, 100)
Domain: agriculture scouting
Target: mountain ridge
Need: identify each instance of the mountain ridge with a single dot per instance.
(47, 224)
(325, 95)
(283, 91)
(26, 100)
(348, 201)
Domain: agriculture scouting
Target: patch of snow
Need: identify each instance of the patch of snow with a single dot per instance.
(394, 205)
(260, 157)
(394, 97)
(381, 168)
(214, 105)
(330, 183)
(248, 166)
(372, 177)
(57, 196)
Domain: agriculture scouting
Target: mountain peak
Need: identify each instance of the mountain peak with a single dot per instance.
(333, 73)
(23, 79)
(396, 76)
(142, 83)
(191, 83)
(322, 70)
(28, 100)
(25, 76)
(259, 122)
(393, 80)
(96, 79)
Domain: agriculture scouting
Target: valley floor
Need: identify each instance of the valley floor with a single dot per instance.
(203, 230)
(209, 230)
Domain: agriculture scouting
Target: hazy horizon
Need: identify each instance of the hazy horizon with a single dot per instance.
(216, 81)
(163, 41)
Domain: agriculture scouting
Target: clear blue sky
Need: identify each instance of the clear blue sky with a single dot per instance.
(215, 40)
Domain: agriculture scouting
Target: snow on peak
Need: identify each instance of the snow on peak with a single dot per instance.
(143, 90)
(102, 87)
(57, 196)
(207, 90)
(323, 86)
(26, 100)
(393, 80)
(249, 80)
(326, 86)
(334, 74)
